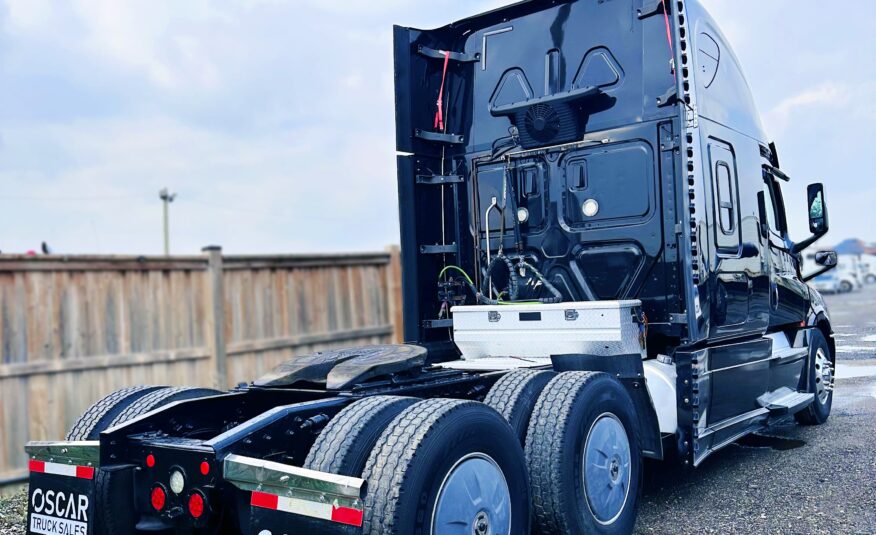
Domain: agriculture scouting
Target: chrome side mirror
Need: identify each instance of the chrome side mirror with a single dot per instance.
(826, 259)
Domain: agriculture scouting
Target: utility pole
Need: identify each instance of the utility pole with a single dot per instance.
(167, 198)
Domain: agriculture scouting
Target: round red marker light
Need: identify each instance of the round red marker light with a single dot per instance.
(196, 505)
(150, 461)
(205, 468)
(158, 498)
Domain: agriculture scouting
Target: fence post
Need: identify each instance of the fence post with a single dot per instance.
(216, 316)
(394, 290)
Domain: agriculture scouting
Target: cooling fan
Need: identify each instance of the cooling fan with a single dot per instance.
(542, 122)
(550, 119)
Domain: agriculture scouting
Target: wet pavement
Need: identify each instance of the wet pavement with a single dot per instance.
(792, 478)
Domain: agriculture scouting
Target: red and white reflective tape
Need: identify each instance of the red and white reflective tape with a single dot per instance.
(325, 511)
(68, 470)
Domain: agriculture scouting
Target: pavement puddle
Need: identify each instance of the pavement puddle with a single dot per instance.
(851, 371)
(772, 442)
(856, 349)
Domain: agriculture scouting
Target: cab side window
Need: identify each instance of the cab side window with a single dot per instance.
(775, 206)
(726, 197)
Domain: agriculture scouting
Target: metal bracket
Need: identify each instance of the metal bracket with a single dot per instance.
(437, 324)
(461, 57)
(680, 319)
(83, 453)
(571, 314)
(668, 144)
(692, 117)
(652, 8)
(439, 179)
(308, 492)
(439, 249)
(670, 97)
(451, 139)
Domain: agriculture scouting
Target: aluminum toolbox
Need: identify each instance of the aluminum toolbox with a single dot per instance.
(539, 330)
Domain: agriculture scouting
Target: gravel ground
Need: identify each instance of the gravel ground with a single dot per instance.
(791, 479)
(12, 514)
(796, 479)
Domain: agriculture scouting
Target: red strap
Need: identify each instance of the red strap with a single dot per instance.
(669, 36)
(439, 115)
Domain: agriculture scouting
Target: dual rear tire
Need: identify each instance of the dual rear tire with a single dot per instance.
(438, 466)
(581, 446)
(442, 466)
(583, 456)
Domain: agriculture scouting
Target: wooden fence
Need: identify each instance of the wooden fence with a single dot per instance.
(73, 329)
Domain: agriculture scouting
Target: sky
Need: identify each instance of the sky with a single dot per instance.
(273, 121)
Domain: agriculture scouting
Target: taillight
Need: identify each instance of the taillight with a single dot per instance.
(159, 497)
(150, 461)
(196, 505)
(205, 468)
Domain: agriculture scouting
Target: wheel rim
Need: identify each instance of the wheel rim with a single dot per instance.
(823, 376)
(473, 499)
(607, 468)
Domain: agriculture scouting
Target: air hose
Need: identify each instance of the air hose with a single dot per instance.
(513, 287)
(557, 296)
(513, 283)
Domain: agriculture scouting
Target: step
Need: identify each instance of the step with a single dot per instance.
(785, 401)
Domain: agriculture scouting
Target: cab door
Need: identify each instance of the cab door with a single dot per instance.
(733, 285)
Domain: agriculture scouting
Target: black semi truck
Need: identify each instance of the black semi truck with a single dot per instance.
(596, 270)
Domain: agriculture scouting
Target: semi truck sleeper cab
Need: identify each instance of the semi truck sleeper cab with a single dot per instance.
(596, 270)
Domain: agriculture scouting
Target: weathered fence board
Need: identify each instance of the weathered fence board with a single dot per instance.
(73, 329)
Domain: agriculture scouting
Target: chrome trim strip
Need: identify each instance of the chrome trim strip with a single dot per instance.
(80, 453)
(729, 422)
(249, 474)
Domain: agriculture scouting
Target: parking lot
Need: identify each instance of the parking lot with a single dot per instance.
(792, 479)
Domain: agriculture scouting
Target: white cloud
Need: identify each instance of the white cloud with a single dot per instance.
(274, 119)
(300, 191)
(827, 95)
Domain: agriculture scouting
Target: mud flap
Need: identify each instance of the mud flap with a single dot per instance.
(60, 504)
(61, 495)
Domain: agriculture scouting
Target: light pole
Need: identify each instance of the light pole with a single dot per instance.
(166, 198)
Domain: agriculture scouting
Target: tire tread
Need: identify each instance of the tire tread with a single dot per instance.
(344, 433)
(544, 442)
(393, 456)
(507, 396)
(97, 417)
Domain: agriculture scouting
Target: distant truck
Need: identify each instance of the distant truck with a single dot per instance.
(596, 270)
(868, 268)
(850, 274)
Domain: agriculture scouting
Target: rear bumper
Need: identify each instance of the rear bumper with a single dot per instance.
(261, 495)
(66, 459)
